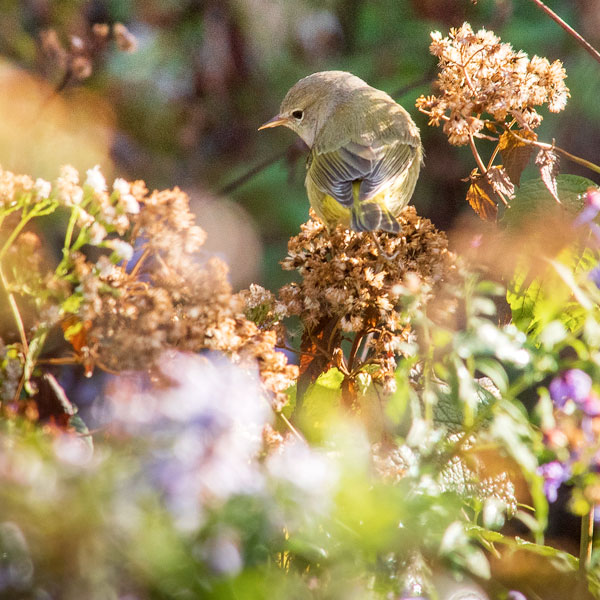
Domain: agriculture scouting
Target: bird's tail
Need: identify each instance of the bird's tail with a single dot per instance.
(370, 215)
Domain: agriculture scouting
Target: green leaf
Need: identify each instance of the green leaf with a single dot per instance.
(446, 411)
(493, 369)
(320, 403)
(538, 298)
(72, 303)
(511, 426)
(397, 404)
(534, 200)
(561, 559)
(554, 295)
(515, 436)
(35, 347)
(331, 379)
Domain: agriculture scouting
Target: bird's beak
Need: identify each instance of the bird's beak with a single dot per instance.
(276, 121)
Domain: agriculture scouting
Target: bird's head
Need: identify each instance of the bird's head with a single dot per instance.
(311, 102)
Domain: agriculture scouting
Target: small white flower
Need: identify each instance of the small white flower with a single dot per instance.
(121, 186)
(129, 202)
(97, 233)
(42, 188)
(96, 180)
(105, 267)
(76, 197)
(121, 248)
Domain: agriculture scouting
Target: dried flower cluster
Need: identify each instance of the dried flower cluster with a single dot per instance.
(479, 74)
(117, 316)
(76, 61)
(179, 298)
(349, 286)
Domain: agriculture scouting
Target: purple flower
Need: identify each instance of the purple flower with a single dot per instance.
(573, 384)
(515, 595)
(594, 275)
(590, 209)
(590, 405)
(555, 474)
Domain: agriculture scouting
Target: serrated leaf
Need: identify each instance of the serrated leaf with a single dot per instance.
(522, 296)
(538, 294)
(447, 413)
(483, 199)
(547, 162)
(553, 295)
(533, 200)
(516, 153)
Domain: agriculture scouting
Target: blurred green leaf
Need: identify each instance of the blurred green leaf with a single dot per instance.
(533, 200)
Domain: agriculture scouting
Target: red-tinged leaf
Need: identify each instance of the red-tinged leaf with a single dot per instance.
(349, 392)
(547, 161)
(75, 331)
(482, 198)
(515, 152)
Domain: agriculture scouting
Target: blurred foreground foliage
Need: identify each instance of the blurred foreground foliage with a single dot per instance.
(425, 437)
(442, 402)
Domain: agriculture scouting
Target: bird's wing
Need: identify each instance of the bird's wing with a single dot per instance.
(335, 172)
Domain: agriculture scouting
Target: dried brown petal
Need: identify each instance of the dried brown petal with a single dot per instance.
(547, 161)
(125, 40)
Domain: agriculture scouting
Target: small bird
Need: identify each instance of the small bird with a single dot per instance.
(365, 150)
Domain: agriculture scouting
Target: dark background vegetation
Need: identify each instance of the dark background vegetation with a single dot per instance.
(184, 108)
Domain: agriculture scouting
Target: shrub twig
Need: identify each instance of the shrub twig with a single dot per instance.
(578, 38)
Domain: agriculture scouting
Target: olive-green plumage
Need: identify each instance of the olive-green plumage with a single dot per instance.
(365, 150)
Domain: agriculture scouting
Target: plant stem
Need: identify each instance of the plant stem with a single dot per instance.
(139, 263)
(70, 228)
(15, 311)
(37, 210)
(355, 345)
(294, 431)
(580, 40)
(587, 538)
(545, 146)
(476, 155)
(14, 234)
(494, 154)
(68, 239)
(576, 159)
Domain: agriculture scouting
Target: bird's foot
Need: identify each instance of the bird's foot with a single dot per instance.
(388, 257)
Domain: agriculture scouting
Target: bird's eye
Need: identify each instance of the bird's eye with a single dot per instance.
(297, 114)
